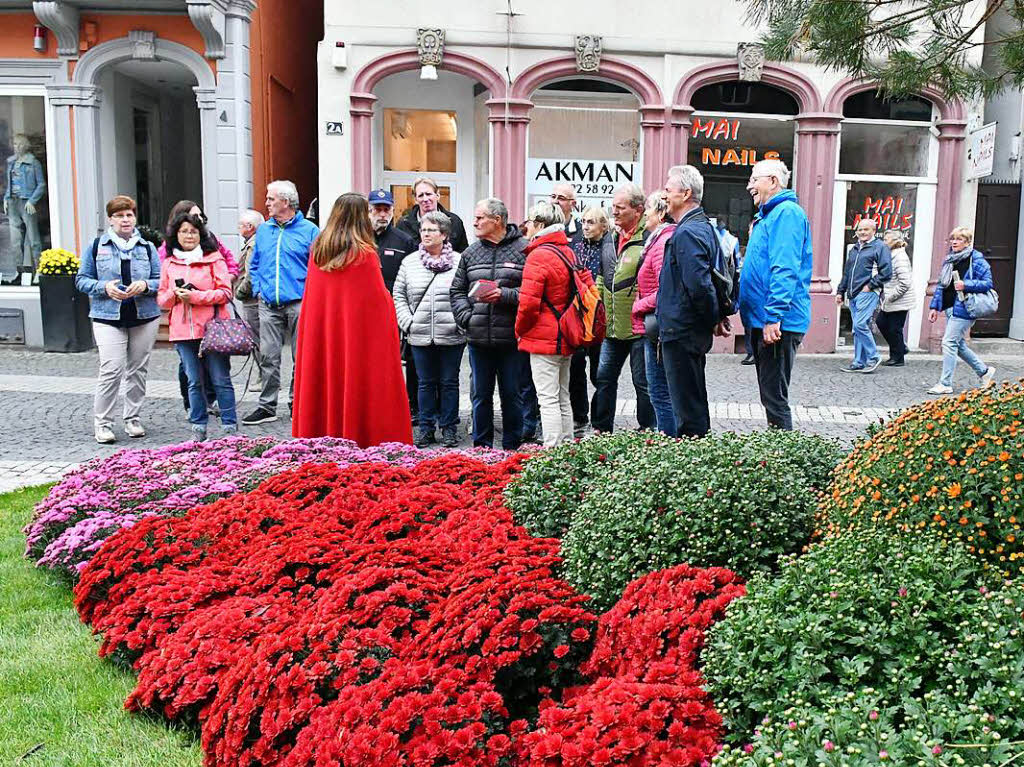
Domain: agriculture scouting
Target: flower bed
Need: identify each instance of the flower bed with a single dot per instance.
(951, 468)
(384, 615)
(106, 494)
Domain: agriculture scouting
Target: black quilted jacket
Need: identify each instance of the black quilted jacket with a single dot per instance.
(490, 324)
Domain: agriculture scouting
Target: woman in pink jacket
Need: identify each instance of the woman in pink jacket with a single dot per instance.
(195, 286)
(647, 301)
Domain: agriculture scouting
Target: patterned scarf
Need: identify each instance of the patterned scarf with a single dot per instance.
(442, 262)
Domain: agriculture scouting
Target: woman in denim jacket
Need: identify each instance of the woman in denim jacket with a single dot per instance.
(120, 272)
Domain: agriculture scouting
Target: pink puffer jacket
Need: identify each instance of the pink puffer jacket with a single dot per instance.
(209, 275)
(649, 274)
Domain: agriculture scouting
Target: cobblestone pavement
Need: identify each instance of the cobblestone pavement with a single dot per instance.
(46, 403)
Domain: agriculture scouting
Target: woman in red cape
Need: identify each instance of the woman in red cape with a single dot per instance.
(348, 369)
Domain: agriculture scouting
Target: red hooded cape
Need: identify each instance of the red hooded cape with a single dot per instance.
(348, 370)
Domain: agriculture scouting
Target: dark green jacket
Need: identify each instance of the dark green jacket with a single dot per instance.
(618, 284)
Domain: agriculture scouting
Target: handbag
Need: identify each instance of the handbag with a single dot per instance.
(403, 346)
(651, 329)
(980, 305)
(229, 335)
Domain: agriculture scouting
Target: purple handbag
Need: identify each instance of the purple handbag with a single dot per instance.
(230, 335)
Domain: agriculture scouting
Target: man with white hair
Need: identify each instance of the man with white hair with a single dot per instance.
(775, 285)
(687, 305)
(277, 269)
(248, 223)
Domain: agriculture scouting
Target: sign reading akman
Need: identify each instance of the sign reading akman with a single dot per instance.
(594, 180)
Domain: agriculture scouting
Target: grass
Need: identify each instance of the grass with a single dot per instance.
(60, 705)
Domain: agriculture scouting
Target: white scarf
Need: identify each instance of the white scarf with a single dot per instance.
(189, 256)
(125, 246)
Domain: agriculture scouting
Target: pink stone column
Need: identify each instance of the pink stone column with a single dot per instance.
(679, 134)
(817, 150)
(362, 145)
(509, 121)
(952, 134)
(652, 126)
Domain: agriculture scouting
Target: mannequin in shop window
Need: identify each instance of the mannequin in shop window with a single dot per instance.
(25, 187)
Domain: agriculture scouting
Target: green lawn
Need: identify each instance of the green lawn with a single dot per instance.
(58, 700)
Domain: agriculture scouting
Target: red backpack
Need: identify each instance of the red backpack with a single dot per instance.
(583, 321)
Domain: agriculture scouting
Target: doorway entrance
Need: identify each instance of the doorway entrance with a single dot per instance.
(995, 235)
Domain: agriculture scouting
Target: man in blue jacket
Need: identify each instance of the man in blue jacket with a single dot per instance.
(277, 269)
(775, 285)
(868, 268)
(687, 307)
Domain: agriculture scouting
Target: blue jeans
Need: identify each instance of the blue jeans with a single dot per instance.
(437, 368)
(504, 364)
(657, 389)
(954, 345)
(614, 353)
(218, 368)
(862, 309)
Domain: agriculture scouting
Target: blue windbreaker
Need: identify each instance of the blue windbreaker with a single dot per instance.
(280, 257)
(775, 283)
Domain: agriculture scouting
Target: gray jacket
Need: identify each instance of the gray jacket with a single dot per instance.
(426, 315)
(899, 291)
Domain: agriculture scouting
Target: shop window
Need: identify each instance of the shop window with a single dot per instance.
(891, 206)
(594, 161)
(870, 106)
(724, 147)
(420, 141)
(24, 217)
(884, 149)
(405, 199)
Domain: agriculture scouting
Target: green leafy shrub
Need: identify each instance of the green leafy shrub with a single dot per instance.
(951, 468)
(870, 639)
(631, 503)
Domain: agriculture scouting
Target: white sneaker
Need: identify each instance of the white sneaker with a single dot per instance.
(989, 378)
(105, 435)
(198, 433)
(133, 428)
(940, 389)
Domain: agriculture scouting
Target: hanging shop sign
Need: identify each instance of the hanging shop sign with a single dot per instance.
(981, 151)
(595, 181)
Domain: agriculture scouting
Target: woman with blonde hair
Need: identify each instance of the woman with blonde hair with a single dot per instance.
(348, 369)
(897, 300)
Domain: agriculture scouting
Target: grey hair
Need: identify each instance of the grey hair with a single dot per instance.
(251, 217)
(285, 190)
(634, 194)
(600, 214)
(868, 220)
(437, 217)
(898, 236)
(543, 212)
(775, 168)
(495, 208)
(424, 180)
(688, 177)
(657, 202)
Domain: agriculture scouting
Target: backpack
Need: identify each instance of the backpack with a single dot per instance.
(725, 279)
(583, 321)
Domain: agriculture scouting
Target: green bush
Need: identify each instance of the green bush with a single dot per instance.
(870, 639)
(634, 502)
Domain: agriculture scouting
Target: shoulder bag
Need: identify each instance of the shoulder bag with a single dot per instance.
(979, 305)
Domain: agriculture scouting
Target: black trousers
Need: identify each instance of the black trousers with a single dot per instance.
(578, 397)
(774, 365)
(412, 384)
(687, 388)
(890, 325)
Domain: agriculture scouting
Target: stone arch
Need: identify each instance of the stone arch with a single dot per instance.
(789, 80)
(90, 150)
(851, 86)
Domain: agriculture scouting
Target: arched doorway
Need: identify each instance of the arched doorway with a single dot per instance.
(734, 125)
(594, 161)
(145, 126)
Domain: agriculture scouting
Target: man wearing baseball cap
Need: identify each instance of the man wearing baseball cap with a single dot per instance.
(392, 244)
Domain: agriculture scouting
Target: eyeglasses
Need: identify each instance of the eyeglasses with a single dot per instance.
(562, 198)
(430, 231)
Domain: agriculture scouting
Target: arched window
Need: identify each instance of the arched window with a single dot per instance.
(734, 125)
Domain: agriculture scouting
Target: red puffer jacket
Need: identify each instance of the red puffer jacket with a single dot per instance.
(546, 280)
